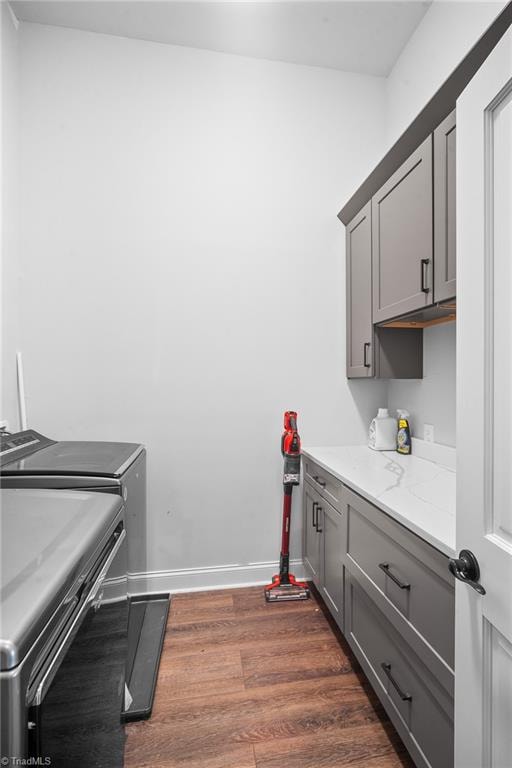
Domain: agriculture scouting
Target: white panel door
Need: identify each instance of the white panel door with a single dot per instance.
(483, 638)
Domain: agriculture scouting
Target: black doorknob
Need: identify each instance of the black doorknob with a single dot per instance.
(465, 568)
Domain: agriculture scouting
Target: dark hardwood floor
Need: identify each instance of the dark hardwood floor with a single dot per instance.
(244, 684)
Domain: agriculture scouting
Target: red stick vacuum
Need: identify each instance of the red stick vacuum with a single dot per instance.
(284, 584)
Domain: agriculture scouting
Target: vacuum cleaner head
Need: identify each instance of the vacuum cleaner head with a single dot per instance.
(290, 590)
(286, 592)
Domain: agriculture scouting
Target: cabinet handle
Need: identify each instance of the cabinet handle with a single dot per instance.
(313, 521)
(424, 275)
(385, 567)
(319, 480)
(387, 672)
(318, 530)
(366, 347)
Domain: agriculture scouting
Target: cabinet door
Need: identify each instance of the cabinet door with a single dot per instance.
(311, 535)
(444, 210)
(402, 218)
(333, 546)
(359, 295)
(419, 708)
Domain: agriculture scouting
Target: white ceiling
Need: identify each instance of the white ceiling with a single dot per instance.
(365, 37)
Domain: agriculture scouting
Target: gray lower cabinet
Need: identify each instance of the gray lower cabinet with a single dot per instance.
(407, 579)
(402, 214)
(418, 705)
(310, 535)
(445, 285)
(400, 623)
(332, 544)
(392, 595)
(324, 542)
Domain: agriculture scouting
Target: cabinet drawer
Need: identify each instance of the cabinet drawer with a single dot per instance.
(326, 484)
(412, 575)
(419, 707)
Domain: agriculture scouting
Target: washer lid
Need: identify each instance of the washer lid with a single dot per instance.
(47, 540)
(77, 458)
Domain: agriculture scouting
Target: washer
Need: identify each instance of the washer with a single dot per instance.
(64, 628)
(31, 460)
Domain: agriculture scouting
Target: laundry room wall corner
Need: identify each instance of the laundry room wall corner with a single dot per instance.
(443, 37)
(10, 328)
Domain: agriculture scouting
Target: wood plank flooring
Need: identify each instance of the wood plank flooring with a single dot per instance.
(244, 684)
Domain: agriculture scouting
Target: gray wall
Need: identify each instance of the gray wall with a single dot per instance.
(183, 270)
(440, 41)
(10, 214)
(431, 400)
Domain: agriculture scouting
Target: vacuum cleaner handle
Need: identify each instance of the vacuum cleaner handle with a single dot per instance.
(290, 421)
(290, 448)
(290, 441)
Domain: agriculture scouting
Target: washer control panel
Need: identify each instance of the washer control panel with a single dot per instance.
(19, 445)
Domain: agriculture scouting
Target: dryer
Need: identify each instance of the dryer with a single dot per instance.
(63, 633)
(31, 460)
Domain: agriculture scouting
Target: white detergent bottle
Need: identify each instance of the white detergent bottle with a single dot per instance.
(382, 433)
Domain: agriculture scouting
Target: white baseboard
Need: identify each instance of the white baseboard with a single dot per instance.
(114, 589)
(201, 579)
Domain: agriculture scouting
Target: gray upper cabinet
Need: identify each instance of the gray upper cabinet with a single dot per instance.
(360, 350)
(401, 262)
(444, 210)
(402, 215)
(383, 352)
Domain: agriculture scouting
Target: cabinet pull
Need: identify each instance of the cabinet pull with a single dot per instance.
(313, 521)
(318, 529)
(424, 275)
(366, 347)
(319, 480)
(385, 567)
(387, 672)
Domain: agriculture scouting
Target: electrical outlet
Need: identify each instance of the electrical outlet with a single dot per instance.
(4, 426)
(428, 433)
